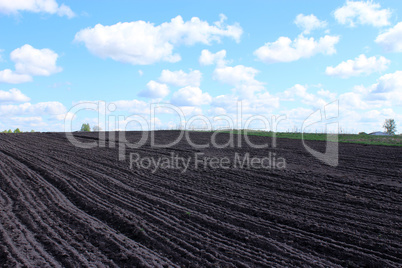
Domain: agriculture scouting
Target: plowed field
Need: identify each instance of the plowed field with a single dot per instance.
(62, 206)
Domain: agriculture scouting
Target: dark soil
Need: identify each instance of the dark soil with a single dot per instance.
(62, 206)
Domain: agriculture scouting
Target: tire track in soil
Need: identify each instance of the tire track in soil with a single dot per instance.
(91, 209)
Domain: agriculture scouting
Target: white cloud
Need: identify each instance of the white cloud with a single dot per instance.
(235, 75)
(295, 91)
(326, 94)
(66, 116)
(26, 123)
(226, 102)
(8, 76)
(180, 78)
(13, 95)
(155, 90)
(362, 12)
(246, 88)
(41, 108)
(390, 82)
(132, 106)
(309, 23)
(190, 96)
(260, 103)
(36, 6)
(31, 120)
(388, 88)
(209, 58)
(299, 92)
(190, 111)
(143, 43)
(358, 66)
(32, 61)
(353, 101)
(386, 92)
(391, 40)
(294, 119)
(284, 50)
(241, 77)
(216, 111)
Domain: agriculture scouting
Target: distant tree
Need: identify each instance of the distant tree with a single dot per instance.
(85, 127)
(17, 130)
(10, 131)
(32, 130)
(96, 128)
(390, 126)
(362, 133)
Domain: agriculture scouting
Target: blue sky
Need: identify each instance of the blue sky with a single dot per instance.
(288, 58)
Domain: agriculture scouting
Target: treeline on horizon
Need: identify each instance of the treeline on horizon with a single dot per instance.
(17, 130)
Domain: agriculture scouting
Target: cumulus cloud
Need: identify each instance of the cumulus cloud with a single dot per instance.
(236, 75)
(29, 62)
(226, 102)
(358, 66)
(309, 23)
(155, 90)
(362, 12)
(13, 95)
(299, 92)
(26, 123)
(353, 101)
(386, 92)
(41, 108)
(209, 58)
(247, 90)
(389, 88)
(295, 91)
(132, 106)
(181, 78)
(241, 77)
(9, 76)
(260, 103)
(326, 94)
(66, 116)
(143, 43)
(190, 96)
(391, 40)
(36, 6)
(286, 50)
(32, 121)
(32, 61)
